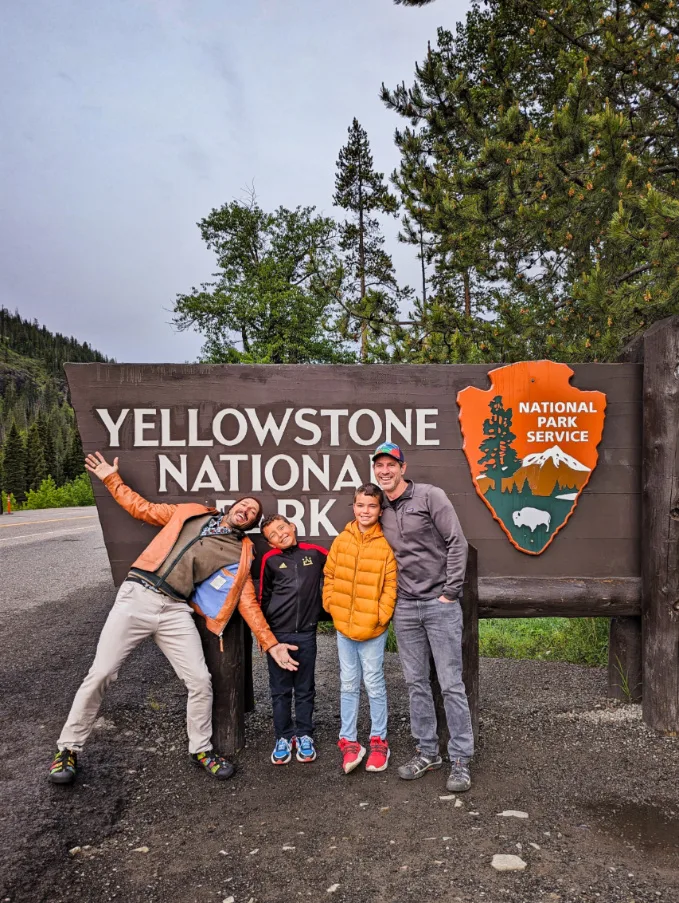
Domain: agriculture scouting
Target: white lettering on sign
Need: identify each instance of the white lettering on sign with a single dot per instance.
(557, 407)
(168, 469)
(423, 426)
(240, 420)
(309, 460)
(304, 424)
(563, 428)
(113, 426)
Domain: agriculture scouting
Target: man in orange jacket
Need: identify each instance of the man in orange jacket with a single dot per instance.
(153, 601)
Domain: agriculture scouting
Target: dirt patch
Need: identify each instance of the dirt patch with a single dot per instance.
(600, 792)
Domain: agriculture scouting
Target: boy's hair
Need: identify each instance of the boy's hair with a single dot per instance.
(372, 490)
(269, 520)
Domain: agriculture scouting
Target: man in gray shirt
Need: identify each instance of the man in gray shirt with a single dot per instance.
(422, 528)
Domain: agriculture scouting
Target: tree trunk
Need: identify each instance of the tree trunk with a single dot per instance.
(660, 526)
(424, 273)
(467, 294)
(361, 265)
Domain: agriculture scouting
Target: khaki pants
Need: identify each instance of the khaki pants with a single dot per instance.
(139, 613)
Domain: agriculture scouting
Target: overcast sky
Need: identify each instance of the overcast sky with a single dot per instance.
(124, 122)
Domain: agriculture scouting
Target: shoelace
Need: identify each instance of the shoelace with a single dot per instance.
(352, 747)
(63, 761)
(419, 762)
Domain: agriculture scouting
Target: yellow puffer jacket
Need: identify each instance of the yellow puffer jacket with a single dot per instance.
(359, 590)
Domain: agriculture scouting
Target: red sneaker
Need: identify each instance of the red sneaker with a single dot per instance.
(379, 755)
(352, 753)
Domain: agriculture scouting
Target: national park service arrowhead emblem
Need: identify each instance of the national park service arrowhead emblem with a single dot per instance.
(531, 443)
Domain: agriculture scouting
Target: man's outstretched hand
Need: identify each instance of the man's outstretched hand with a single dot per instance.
(280, 654)
(99, 466)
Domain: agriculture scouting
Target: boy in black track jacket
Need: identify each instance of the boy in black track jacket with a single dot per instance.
(290, 592)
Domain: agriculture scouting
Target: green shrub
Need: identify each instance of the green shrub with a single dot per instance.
(76, 493)
(15, 507)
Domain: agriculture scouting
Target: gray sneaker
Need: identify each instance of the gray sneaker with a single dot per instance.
(418, 765)
(459, 778)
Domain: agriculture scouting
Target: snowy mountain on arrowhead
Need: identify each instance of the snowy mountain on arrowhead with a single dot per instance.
(547, 473)
(557, 456)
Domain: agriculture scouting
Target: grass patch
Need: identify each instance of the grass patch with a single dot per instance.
(581, 641)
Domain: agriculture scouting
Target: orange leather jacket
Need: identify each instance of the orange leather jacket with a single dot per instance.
(172, 518)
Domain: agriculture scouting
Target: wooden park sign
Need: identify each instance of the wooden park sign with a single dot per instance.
(301, 438)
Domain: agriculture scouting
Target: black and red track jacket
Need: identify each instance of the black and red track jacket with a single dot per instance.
(290, 587)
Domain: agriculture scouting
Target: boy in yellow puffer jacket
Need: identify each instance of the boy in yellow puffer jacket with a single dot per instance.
(360, 594)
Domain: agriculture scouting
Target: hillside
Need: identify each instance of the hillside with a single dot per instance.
(38, 436)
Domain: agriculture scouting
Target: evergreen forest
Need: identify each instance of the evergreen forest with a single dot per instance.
(538, 186)
(42, 456)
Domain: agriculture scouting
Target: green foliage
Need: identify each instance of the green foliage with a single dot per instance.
(36, 468)
(33, 401)
(74, 459)
(540, 161)
(276, 291)
(75, 493)
(14, 464)
(51, 350)
(582, 641)
(371, 295)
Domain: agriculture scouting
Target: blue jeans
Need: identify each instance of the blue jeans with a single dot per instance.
(423, 626)
(362, 658)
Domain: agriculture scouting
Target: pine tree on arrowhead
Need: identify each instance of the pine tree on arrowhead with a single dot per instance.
(14, 465)
(372, 294)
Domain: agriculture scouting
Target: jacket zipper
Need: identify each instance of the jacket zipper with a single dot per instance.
(221, 633)
(181, 554)
(296, 599)
(353, 585)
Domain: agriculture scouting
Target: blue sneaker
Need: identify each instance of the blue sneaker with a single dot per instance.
(282, 752)
(306, 751)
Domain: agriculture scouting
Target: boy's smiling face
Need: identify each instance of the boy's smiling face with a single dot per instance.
(280, 535)
(367, 511)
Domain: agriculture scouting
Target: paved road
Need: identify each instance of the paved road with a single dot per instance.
(47, 555)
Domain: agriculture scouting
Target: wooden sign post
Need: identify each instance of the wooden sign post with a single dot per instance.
(660, 527)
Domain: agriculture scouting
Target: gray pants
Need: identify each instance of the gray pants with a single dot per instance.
(139, 613)
(423, 626)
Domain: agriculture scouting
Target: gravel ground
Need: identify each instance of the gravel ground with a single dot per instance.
(599, 788)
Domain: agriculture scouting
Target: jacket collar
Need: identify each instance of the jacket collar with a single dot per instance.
(406, 494)
(373, 533)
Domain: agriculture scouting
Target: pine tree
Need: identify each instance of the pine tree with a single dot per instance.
(74, 459)
(500, 458)
(36, 468)
(47, 441)
(540, 155)
(373, 295)
(14, 464)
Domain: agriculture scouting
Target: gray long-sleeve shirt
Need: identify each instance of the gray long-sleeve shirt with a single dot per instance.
(422, 528)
